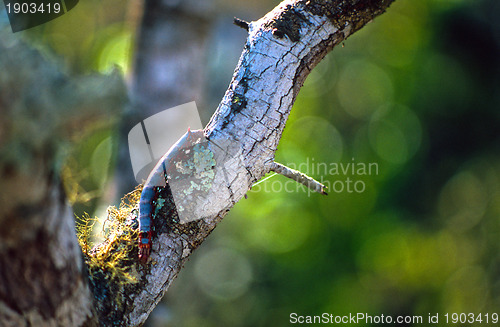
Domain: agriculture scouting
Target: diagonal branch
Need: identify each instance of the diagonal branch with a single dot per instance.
(241, 138)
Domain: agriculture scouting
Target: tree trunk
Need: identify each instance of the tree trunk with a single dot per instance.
(42, 275)
(169, 66)
(43, 280)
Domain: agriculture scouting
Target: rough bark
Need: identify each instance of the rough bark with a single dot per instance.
(38, 257)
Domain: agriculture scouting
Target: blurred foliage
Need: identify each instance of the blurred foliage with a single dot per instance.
(45, 109)
(416, 92)
(94, 37)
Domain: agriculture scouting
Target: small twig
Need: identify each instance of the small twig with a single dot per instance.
(241, 23)
(298, 177)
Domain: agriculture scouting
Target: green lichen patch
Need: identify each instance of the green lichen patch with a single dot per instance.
(195, 171)
(204, 163)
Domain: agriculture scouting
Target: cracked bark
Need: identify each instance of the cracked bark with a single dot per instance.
(37, 248)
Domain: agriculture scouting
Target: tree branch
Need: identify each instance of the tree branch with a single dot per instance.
(243, 134)
(298, 177)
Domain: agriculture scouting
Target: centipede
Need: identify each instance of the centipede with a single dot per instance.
(149, 201)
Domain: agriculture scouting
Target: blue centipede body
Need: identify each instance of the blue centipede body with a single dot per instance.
(145, 222)
(146, 208)
(157, 181)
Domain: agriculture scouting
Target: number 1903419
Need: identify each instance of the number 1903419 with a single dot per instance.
(33, 8)
(480, 318)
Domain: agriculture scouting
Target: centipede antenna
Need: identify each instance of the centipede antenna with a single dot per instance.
(147, 140)
(164, 171)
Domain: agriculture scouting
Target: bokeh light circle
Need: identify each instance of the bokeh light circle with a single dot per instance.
(363, 87)
(223, 273)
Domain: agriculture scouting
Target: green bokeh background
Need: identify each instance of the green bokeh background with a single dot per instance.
(416, 94)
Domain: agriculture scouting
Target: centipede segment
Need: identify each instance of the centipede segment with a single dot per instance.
(146, 210)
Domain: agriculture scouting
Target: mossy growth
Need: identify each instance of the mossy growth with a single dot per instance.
(112, 263)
